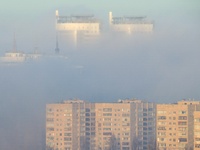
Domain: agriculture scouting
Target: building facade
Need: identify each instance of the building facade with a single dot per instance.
(175, 125)
(79, 125)
(197, 130)
(70, 125)
(144, 124)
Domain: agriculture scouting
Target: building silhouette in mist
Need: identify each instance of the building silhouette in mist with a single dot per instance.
(86, 28)
(80, 27)
(80, 125)
(130, 24)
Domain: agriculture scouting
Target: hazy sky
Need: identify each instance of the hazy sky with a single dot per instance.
(34, 21)
(160, 67)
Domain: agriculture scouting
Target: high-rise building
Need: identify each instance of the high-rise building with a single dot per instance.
(144, 125)
(79, 125)
(114, 126)
(70, 125)
(175, 125)
(80, 27)
(197, 130)
(130, 24)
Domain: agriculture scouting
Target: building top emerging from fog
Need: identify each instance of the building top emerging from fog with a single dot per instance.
(130, 24)
(79, 27)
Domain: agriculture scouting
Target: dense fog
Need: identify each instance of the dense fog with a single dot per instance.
(162, 66)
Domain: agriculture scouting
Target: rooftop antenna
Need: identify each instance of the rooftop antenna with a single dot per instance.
(14, 44)
(110, 18)
(57, 48)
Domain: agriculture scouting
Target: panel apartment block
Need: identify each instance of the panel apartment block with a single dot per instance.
(79, 125)
(175, 125)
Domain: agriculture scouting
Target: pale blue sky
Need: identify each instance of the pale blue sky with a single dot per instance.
(14, 7)
(30, 19)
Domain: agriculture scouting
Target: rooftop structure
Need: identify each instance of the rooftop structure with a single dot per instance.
(130, 24)
(57, 50)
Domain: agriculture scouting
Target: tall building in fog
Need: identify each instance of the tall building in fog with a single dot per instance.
(79, 27)
(79, 125)
(130, 24)
(175, 125)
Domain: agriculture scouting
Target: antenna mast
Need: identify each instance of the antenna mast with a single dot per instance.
(57, 48)
(14, 44)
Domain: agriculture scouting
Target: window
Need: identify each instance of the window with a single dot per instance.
(126, 133)
(150, 109)
(182, 118)
(197, 120)
(182, 139)
(182, 123)
(182, 112)
(182, 128)
(50, 129)
(49, 110)
(125, 143)
(197, 139)
(87, 110)
(161, 144)
(162, 123)
(182, 133)
(87, 114)
(162, 133)
(107, 119)
(197, 145)
(50, 119)
(107, 129)
(161, 128)
(107, 109)
(107, 114)
(161, 112)
(67, 134)
(107, 133)
(161, 139)
(125, 115)
(197, 133)
(107, 124)
(161, 117)
(87, 119)
(67, 139)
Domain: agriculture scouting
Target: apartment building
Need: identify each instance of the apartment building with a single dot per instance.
(175, 125)
(80, 125)
(114, 126)
(197, 130)
(70, 125)
(144, 125)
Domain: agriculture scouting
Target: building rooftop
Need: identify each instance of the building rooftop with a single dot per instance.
(131, 20)
(77, 19)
